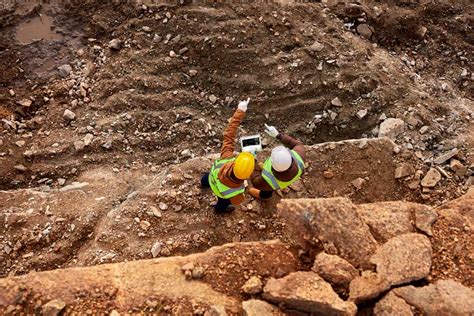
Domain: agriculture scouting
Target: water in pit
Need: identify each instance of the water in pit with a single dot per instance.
(35, 29)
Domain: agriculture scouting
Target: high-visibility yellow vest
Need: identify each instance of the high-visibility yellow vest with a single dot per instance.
(276, 184)
(220, 189)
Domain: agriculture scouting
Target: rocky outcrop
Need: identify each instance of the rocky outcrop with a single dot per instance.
(404, 258)
(335, 222)
(131, 284)
(445, 297)
(307, 292)
(367, 286)
(334, 269)
(391, 305)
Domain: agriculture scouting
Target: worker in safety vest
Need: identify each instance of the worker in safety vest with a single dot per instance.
(283, 168)
(227, 175)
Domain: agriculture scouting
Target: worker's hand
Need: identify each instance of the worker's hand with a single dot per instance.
(271, 131)
(243, 105)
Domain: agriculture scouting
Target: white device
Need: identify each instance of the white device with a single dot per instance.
(251, 144)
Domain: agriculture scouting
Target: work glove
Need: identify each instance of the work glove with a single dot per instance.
(243, 105)
(271, 131)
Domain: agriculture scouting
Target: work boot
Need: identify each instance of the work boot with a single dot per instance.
(255, 193)
(230, 209)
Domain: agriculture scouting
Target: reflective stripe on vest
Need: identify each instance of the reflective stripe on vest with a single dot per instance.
(220, 189)
(276, 184)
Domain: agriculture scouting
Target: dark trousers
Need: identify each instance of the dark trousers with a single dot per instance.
(222, 204)
(265, 195)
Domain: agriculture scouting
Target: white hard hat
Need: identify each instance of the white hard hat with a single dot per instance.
(281, 158)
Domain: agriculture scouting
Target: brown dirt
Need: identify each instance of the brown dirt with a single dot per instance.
(149, 108)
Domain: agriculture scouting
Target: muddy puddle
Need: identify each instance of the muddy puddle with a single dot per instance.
(37, 28)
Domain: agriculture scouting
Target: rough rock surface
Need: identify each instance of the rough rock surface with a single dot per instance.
(253, 286)
(259, 308)
(391, 128)
(335, 222)
(53, 308)
(367, 286)
(334, 269)
(404, 258)
(445, 297)
(425, 216)
(133, 282)
(307, 292)
(391, 305)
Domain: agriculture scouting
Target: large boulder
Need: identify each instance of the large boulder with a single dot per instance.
(445, 297)
(390, 305)
(387, 219)
(367, 286)
(307, 292)
(259, 308)
(335, 222)
(334, 269)
(404, 258)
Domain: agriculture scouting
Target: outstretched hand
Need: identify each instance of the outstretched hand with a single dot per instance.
(271, 131)
(243, 105)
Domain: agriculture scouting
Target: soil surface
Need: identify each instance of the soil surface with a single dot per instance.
(110, 114)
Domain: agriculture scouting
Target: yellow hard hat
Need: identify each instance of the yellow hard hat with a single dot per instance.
(243, 165)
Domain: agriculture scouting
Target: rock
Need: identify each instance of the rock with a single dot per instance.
(335, 222)
(445, 297)
(431, 178)
(358, 183)
(145, 225)
(69, 115)
(146, 29)
(172, 53)
(391, 128)
(334, 269)
(336, 102)
(193, 72)
(186, 153)
(157, 38)
(11, 92)
(307, 292)
(25, 103)
(424, 129)
(20, 143)
(253, 286)
(198, 273)
(53, 308)
(213, 98)
(424, 219)
(88, 139)
(216, 310)
(446, 156)
(115, 44)
(114, 313)
(328, 174)
(20, 168)
(61, 181)
(316, 47)
(163, 206)
(362, 113)
(404, 258)
(107, 144)
(64, 70)
(403, 170)
(74, 186)
(79, 145)
(388, 219)
(183, 50)
(364, 31)
(367, 286)
(155, 212)
(259, 308)
(390, 305)
(457, 167)
(421, 32)
(156, 249)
